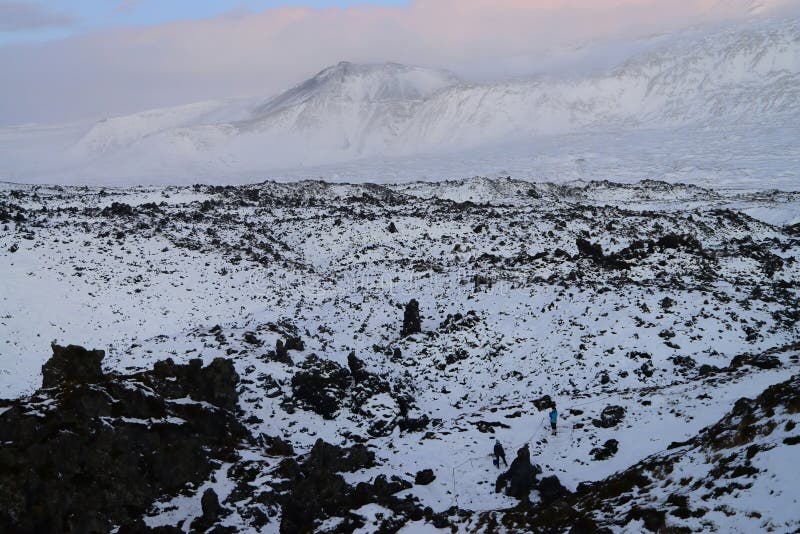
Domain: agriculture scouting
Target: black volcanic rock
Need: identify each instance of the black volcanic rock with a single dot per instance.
(544, 403)
(294, 343)
(761, 361)
(424, 477)
(282, 353)
(594, 251)
(609, 449)
(212, 510)
(411, 321)
(93, 450)
(551, 490)
(520, 478)
(357, 368)
(316, 490)
(216, 383)
(654, 520)
(321, 385)
(118, 209)
(611, 416)
(590, 250)
(72, 364)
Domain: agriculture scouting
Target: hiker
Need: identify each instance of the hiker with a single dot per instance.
(499, 454)
(553, 419)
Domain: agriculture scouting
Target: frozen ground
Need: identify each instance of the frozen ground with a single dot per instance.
(516, 303)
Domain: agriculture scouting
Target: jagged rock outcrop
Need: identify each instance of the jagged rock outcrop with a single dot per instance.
(321, 385)
(551, 490)
(761, 361)
(594, 251)
(282, 353)
(72, 364)
(212, 510)
(118, 209)
(214, 383)
(411, 320)
(315, 488)
(520, 478)
(95, 450)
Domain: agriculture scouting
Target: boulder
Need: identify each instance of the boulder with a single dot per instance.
(551, 490)
(610, 417)
(590, 250)
(424, 477)
(654, 520)
(357, 368)
(666, 303)
(327, 457)
(760, 361)
(282, 353)
(679, 241)
(212, 510)
(252, 339)
(605, 452)
(520, 478)
(321, 386)
(294, 343)
(413, 424)
(411, 320)
(210, 505)
(594, 251)
(218, 382)
(384, 488)
(275, 446)
(544, 403)
(72, 364)
(118, 209)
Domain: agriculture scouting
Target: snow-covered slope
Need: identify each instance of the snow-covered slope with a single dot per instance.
(742, 79)
(645, 311)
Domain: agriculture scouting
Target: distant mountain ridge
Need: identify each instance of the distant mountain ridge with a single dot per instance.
(348, 112)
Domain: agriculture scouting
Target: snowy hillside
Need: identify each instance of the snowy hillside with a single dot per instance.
(303, 394)
(697, 93)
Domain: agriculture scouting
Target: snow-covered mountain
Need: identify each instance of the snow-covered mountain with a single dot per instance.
(737, 78)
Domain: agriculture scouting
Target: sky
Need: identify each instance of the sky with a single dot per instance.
(34, 21)
(63, 60)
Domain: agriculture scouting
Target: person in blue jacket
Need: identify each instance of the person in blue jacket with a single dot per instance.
(553, 419)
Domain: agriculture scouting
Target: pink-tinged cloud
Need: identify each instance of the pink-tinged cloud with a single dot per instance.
(126, 70)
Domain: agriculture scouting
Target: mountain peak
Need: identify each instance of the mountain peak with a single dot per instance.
(366, 82)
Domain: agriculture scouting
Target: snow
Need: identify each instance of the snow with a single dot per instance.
(182, 509)
(591, 157)
(146, 287)
(717, 108)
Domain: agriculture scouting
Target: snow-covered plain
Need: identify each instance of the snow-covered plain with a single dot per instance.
(512, 310)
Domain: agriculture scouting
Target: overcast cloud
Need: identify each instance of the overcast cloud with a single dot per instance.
(18, 16)
(247, 54)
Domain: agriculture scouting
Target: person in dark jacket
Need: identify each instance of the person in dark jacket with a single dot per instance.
(553, 419)
(499, 454)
